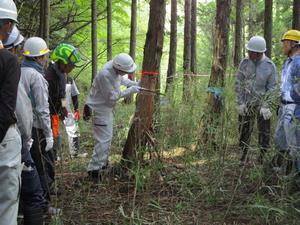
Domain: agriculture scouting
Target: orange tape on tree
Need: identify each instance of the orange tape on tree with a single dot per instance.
(149, 73)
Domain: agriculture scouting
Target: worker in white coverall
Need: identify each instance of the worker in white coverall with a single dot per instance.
(32, 76)
(10, 140)
(102, 98)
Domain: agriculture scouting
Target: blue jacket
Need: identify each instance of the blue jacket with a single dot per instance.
(295, 78)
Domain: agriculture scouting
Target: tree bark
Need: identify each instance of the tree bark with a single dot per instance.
(268, 26)
(187, 51)
(94, 40)
(296, 14)
(251, 18)
(173, 46)
(109, 30)
(47, 21)
(194, 37)
(238, 33)
(42, 13)
(141, 129)
(218, 69)
(132, 41)
(216, 84)
(44, 29)
(133, 29)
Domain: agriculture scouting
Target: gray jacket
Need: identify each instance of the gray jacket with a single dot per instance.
(37, 89)
(24, 113)
(255, 82)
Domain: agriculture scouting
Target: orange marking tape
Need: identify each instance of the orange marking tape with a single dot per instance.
(149, 73)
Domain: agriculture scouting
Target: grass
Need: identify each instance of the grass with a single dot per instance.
(183, 183)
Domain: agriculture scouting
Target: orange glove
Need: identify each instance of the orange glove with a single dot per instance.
(55, 125)
(77, 115)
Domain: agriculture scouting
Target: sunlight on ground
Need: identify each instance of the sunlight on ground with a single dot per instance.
(179, 151)
(167, 154)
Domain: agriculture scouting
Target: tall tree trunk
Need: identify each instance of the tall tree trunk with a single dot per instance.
(173, 46)
(251, 18)
(238, 33)
(132, 41)
(44, 28)
(141, 129)
(243, 41)
(42, 13)
(296, 14)
(109, 30)
(187, 51)
(218, 70)
(268, 26)
(94, 39)
(133, 29)
(46, 21)
(194, 37)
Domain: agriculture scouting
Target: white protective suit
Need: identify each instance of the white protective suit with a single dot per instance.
(71, 124)
(102, 98)
(36, 88)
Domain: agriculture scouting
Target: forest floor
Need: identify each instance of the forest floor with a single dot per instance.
(178, 188)
(179, 183)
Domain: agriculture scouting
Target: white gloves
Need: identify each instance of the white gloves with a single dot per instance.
(265, 112)
(29, 144)
(131, 90)
(49, 145)
(242, 109)
(134, 89)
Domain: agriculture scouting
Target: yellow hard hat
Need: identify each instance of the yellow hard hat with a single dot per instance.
(292, 35)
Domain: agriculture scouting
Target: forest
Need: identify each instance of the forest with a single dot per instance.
(174, 157)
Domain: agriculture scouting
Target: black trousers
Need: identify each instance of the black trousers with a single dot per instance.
(246, 124)
(31, 189)
(43, 160)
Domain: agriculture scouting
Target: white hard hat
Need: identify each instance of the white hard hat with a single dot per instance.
(124, 62)
(35, 46)
(12, 38)
(19, 40)
(257, 44)
(8, 10)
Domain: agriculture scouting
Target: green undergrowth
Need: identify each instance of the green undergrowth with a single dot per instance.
(181, 181)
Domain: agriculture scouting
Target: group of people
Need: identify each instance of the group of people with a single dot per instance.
(35, 95)
(257, 96)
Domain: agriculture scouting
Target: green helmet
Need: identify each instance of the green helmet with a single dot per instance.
(67, 53)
